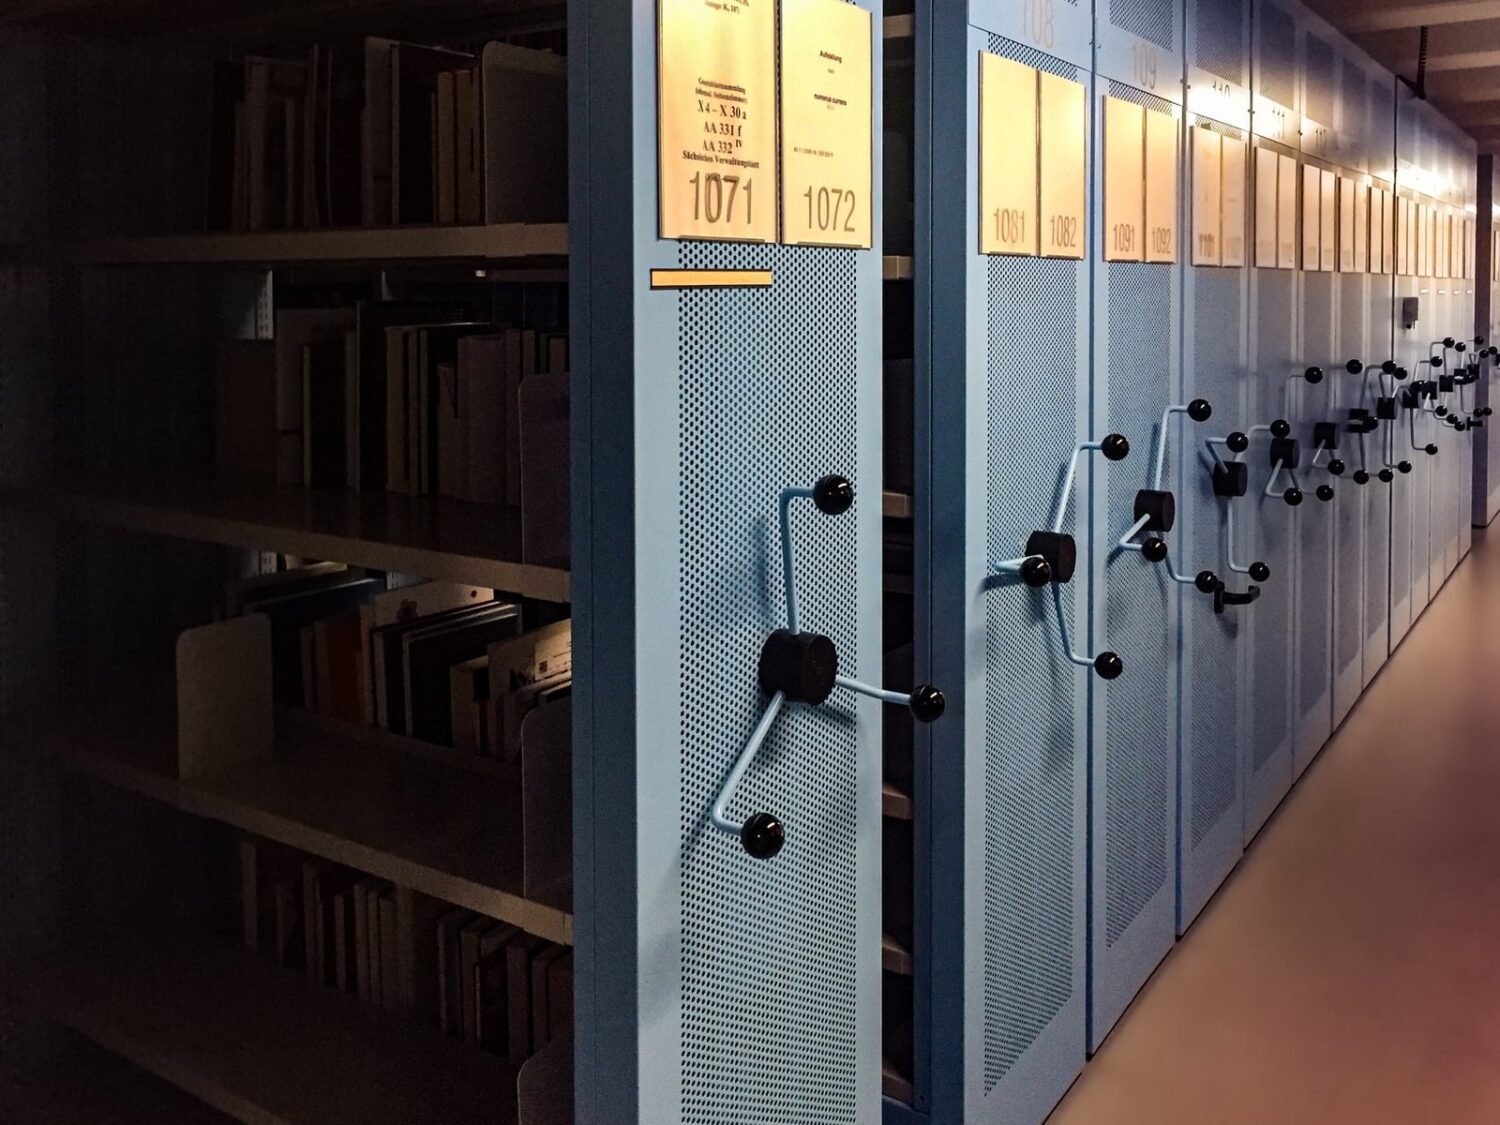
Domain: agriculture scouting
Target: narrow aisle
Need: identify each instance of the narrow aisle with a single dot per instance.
(1347, 971)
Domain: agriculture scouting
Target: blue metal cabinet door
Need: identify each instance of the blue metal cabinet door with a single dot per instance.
(1213, 651)
(713, 986)
(1274, 356)
(1003, 344)
(1347, 573)
(1381, 345)
(1310, 403)
(1137, 374)
(1410, 510)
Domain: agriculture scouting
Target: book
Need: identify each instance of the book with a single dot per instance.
(560, 996)
(481, 389)
(429, 655)
(245, 419)
(468, 702)
(393, 671)
(294, 330)
(288, 949)
(525, 108)
(518, 668)
(380, 361)
(245, 592)
(376, 129)
(520, 362)
(322, 881)
(362, 892)
(339, 664)
(226, 117)
(414, 79)
(390, 952)
(546, 471)
(468, 123)
(344, 954)
(448, 938)
(437, 346)
(407, 604)
(519, 952)
(376, 943)
(479, 940)
(452, 435)
(263, 865)
(289, 614)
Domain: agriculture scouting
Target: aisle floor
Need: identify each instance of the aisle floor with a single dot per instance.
(1349, 969)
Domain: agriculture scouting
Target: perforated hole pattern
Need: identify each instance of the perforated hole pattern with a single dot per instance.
(1348, 633)
(1213, 372)
(1319, 62)
(1220, 46)
(1139, 739)
(1032, 767)
(768, 398)
(1152, 20)
(1277, 56)
(1270, 521)
(1314, 522)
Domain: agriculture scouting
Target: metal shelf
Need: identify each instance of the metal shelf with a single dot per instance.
(543, 243)
(449, 540)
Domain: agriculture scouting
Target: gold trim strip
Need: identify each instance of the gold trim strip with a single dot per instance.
(711, 279)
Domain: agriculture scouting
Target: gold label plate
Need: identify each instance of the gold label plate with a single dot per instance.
(716, 107)
(1063, 132)
(1266, 195)
(1161, 187)
(1124, 181)
(1232, 202)
(826, 124)
(1007, 156)
(1286, 212)
(1208, 167)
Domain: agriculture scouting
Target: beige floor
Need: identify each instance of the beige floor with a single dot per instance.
(1349, 970)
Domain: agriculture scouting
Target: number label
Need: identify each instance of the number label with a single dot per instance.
(1039, 23)
(830, 209)
(1122, 238)
(1064, 231)
(716, 197)
(1143, 57)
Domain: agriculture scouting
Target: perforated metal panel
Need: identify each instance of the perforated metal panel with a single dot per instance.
(1032, 765)
(1276, 60)
(1136, 843)
(1220, 46)
(1212, 645)
(1134, 757)
(1311, 641)
(768, 1027)
(1151, 20)
(1033, 760)
(1321, 74)
(1264, 527)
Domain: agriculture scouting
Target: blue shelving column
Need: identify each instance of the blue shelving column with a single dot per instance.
(726, 439)
(1486, 499)
(1215, 641)
(1004, 550)
(1267, 524)
(1137, 297)
(1385, 258)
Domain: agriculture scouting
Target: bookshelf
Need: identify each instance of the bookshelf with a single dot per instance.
(260, 1045)
(355, 798)
(539, 243)
(439, 538)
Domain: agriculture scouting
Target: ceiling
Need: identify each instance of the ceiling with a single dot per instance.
(1463, 52)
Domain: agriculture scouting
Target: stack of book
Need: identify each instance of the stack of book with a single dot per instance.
(412, 399)
(441, 662)
(472, 978)
(382, 133)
